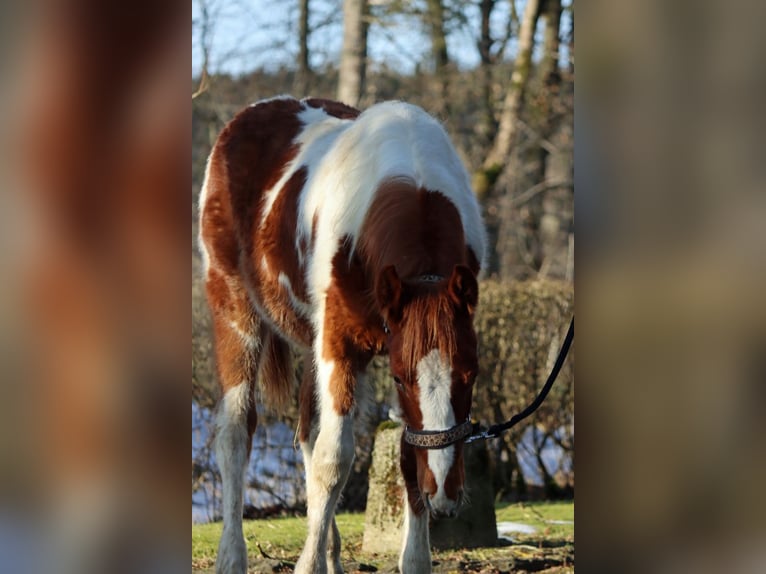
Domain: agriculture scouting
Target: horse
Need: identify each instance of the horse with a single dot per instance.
(343, 235)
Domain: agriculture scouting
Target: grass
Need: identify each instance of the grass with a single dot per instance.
(539, 515)
(283, 538)
(279, 538)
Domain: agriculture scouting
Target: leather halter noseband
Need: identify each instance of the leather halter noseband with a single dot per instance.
(435, 439)
(468, 431)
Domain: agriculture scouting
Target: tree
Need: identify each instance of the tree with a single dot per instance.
(303, 72)
(353, 59)
(437, 32)
(514, 100)
(486, 127)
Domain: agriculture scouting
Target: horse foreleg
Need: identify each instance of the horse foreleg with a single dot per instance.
(334, 545)
(307, 436)
(415, 557)
(416, 552)
(329, 462)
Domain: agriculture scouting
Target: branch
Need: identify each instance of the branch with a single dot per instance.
(539, 188)
(204, 82)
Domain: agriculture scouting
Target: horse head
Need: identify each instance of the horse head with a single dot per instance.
(433, 353)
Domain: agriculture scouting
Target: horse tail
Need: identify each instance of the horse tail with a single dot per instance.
(276, 373)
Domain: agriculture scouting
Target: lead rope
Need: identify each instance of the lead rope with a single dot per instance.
(481, 433)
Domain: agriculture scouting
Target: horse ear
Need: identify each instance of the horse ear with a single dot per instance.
(463, 288)
(389, 293)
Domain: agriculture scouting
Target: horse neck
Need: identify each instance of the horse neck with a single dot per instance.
(417, 231)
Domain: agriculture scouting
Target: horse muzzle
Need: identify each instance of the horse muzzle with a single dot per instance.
(440, 506)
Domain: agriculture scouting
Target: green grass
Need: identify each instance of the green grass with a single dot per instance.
(283, 538)
(280, 538)
(537, 514)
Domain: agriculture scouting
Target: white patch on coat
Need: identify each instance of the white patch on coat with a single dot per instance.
(319, 132)
(201, 201)
(247, 338)
(435, 383)
(301, 307)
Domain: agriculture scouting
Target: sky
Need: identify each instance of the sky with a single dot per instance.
(262, 34)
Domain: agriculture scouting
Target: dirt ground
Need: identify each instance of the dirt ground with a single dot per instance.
(546, 557)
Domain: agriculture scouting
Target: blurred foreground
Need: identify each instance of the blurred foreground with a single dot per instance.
(95, 370)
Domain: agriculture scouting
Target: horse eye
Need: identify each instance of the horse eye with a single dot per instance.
(398, 381)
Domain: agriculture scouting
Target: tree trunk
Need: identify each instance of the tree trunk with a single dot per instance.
(553, 208)
(532, 234)
(514, 100)
(303, 80)
(440, 55)
(353, 60)
(486, 127)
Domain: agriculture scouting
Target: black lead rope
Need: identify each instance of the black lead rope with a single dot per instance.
(469, 432)
(495, 430)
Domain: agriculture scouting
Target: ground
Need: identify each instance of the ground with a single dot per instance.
(274, 545)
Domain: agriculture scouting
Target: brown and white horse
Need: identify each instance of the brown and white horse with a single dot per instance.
(345, 235)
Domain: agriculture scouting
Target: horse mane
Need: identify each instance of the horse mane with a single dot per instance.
(428, 325)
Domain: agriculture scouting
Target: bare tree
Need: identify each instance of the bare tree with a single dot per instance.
(514, 100)
(438, 34)
(486, 127)
(555, 159)
(353, 59)
(205, 25)
(303, 80)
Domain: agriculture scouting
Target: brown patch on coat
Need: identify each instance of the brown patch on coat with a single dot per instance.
(275, 369)
(275, 242)
(307, 400)
(353, 330)
(257, 146)
(417, 230)
(409, 464)
(236, 359)
(216, 220)
(275, 238)
(335, 109)
(455, 479)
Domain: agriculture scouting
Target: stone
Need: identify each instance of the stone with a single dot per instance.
(475, 524)
(384, 515)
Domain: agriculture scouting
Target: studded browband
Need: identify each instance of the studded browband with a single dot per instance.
(435, 439)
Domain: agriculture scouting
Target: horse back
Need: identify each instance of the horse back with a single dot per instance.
(249, 207)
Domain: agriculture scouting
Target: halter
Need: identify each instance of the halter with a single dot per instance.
(436, 439)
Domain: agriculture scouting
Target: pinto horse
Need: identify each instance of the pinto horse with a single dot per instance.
(344, 235)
